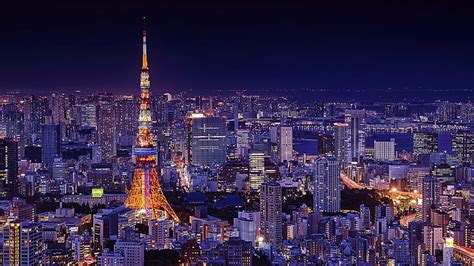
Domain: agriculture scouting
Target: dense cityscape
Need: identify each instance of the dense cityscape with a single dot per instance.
(247, 178)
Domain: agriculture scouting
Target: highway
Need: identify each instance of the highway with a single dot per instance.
(354, 185)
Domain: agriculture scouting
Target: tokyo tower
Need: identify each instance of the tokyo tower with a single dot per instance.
(145, 194)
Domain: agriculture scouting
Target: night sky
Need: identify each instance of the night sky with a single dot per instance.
(205, 45)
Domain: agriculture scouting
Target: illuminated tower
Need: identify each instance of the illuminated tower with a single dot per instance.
(145, 194)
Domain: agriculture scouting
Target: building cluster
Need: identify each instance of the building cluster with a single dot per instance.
(108, 179)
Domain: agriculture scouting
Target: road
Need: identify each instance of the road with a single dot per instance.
(354, 185)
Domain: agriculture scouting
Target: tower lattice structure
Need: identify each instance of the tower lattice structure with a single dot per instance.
(145, 193)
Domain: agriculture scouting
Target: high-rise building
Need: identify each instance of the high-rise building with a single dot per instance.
(463, 146)
(88, 115)
(13, 120)
(236, 115)
(415, 177)
(208, 140)
(356, 136)
(327, 187)
(107, 132)
(257, 169)
(425, 143)
(431, 191)
(340, 137)
(448, 250)
(145, 194)
(243, 144)
(126, 116)
(57, 105)
(22, 243)
(433, 238)
(271, 213)
(326, 144)
(8, 165)
(415, 237)
(365, 216)
(285, 143)
(158, 231)
(51, 144)
(384, 150)
(38, 111)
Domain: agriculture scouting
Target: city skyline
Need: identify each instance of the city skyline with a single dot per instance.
(275, 176)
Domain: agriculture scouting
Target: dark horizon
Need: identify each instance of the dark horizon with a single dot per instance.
(229, 46)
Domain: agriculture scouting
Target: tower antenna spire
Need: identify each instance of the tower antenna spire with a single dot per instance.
(144, 56)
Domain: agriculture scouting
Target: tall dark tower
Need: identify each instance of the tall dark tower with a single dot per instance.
(8, 165)
(145, 194)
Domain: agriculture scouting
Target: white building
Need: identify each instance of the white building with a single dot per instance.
(132, 251)
(384, 150)
(285, 143)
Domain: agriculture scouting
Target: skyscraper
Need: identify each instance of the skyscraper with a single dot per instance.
(8, 165)
(208, 140)
(327, 187)
(126, 116)
(285, 143)
(431, 191)
(107, 133)
(271, 213)
(356, 136)
(340, 136)
(257, 169)
(51, 144)
(38, 110)
(145, 194)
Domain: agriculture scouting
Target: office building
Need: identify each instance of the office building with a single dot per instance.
(51, 144)
(208, 140)
(8, 165)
